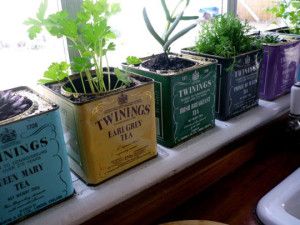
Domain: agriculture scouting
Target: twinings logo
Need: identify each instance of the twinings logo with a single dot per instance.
(195, 88)
(122, 114)
(8, 135)
(23, 149)
(122, 99)
(195, 76)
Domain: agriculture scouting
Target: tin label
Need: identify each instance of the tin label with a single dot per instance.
(193, 102)
(278, 69)
(34, 171)
(243, 85)
(119, 132)
(70, 131)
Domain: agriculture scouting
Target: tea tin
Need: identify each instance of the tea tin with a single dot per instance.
(279, 68)
(109, 133)
(237, 82)
(184, 99)
(34, 170)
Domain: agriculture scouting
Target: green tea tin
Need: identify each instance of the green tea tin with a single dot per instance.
(184, 99)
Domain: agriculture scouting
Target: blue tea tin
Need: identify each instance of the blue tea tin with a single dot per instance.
(34, 170)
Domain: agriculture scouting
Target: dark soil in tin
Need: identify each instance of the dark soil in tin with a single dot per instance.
(163, 62)
(12, 104)
(82, 98)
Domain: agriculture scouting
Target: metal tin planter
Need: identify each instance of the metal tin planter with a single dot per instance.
(284, 31)
(34, 170)
(109, 133)
(279, 68)
(237, 82)
(184, 100)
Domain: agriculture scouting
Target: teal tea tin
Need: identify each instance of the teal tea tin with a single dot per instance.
(34, 171)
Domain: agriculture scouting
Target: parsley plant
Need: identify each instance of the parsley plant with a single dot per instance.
(89, 34)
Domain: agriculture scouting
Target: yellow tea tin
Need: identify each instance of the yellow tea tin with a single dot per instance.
(110, 133)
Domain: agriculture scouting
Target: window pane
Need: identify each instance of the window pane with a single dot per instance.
(134, 38)
(23, 60)
(255, 11)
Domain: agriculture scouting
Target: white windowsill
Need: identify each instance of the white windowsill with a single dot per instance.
(91, 201)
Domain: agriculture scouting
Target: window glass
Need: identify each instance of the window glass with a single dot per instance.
(23, 60)
(134, 38)
(255, 11)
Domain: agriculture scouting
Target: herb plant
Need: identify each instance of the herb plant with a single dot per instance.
(225, 36)
(270, 39)
(91, 37)
(289, 10)
(172, 20)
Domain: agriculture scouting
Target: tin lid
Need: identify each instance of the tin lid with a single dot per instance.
(37, 105)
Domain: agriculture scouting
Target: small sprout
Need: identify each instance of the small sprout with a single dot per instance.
(122, 76)
(133, 60)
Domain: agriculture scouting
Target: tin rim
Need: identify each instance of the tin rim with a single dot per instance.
(21, 115)
(69, 94)
(199, 62)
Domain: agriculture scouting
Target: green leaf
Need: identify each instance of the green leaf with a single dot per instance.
(295, 4)
(32, 22)
(111, 46)
(133, 60)
(173, 26)
(178, 35)
(34, 31)
(42, 10)
(56, 72)
(81, 64)
(115, 8)
(166, 10)
(44, 81)
(59, 24)
(151, 29)
(189, 17)
(122, 76)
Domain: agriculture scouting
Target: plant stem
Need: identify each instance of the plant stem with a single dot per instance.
(82, 83)
(116, 84)
(89, 78)
(73, 86)
(88, 74)
(99, 70)
(99, 74)
(108, 73)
